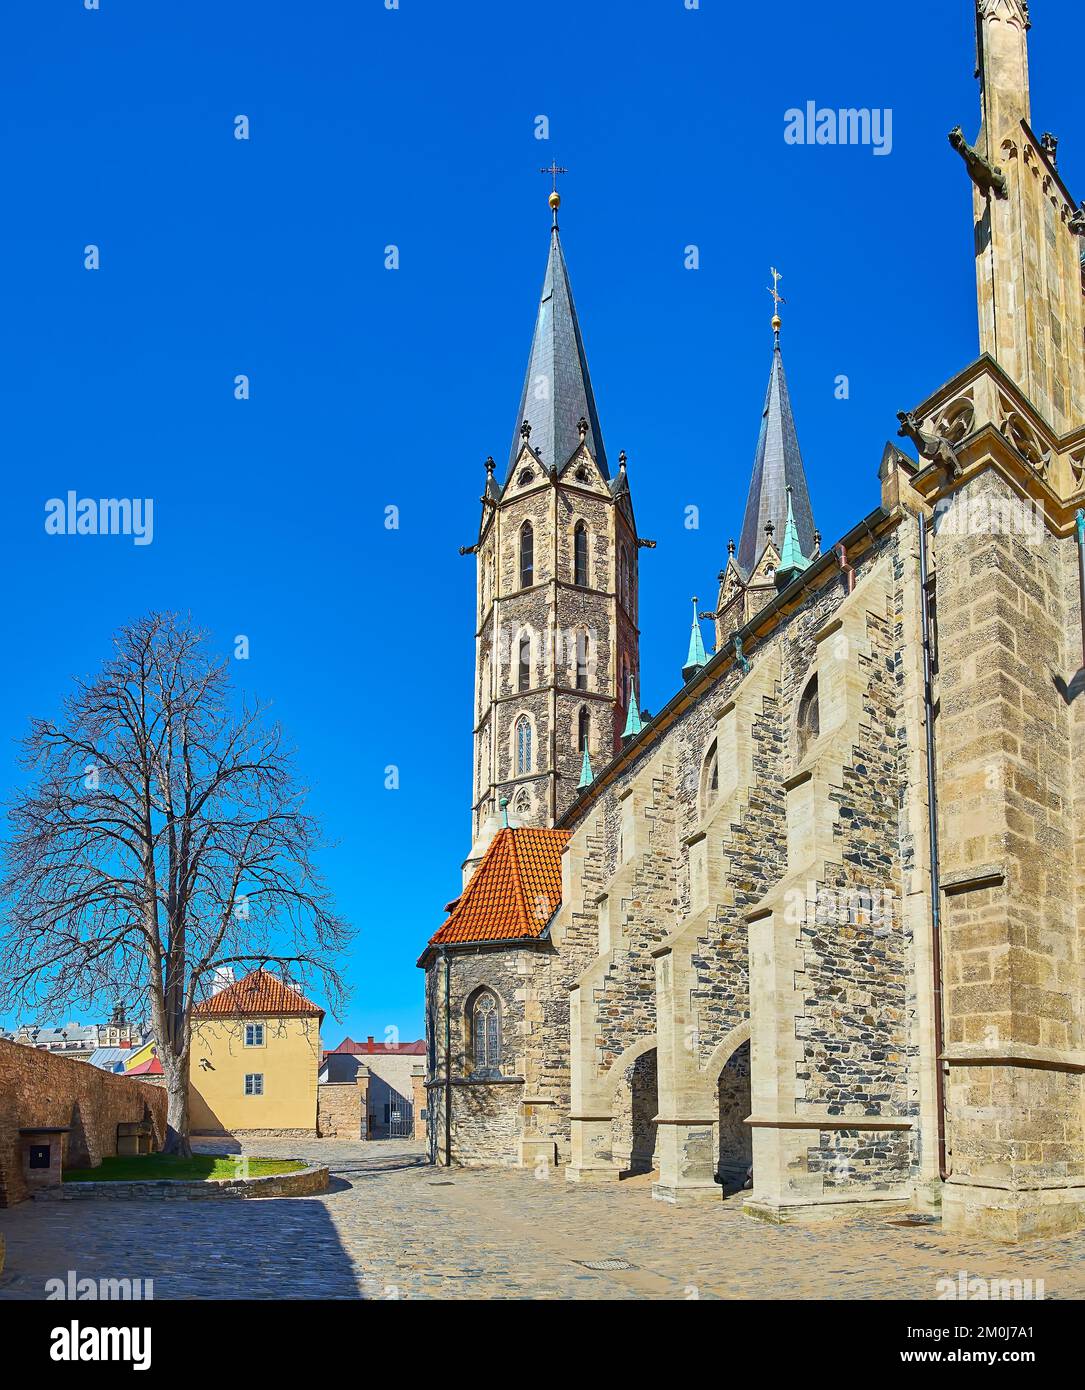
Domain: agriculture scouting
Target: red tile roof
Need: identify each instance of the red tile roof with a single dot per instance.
(258, 993)
(513, 892)
(369, 1047)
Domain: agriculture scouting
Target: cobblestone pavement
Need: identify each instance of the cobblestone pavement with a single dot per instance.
(393, 1227)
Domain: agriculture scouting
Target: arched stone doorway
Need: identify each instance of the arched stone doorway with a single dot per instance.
(734, 1143)
(636, 1104)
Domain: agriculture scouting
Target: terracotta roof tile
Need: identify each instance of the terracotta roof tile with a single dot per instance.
(258, 993)
(514, 890)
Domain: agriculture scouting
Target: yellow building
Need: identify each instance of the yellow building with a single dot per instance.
(255, 1056)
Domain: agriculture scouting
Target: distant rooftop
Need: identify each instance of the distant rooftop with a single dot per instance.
(371, 1048)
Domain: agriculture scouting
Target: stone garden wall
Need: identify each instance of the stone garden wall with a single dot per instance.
(38, 1090)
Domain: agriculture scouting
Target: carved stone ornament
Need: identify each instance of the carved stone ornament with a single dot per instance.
(1025, 440)
(1009, 11)
(956, 420)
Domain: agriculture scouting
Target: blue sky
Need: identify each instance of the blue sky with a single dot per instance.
(416, 127)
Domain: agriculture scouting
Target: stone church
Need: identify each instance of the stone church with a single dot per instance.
(814, 932)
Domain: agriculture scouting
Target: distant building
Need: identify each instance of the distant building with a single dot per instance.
(111, 1059)
(79, 1040)
(391, 1099)
(255, 1055)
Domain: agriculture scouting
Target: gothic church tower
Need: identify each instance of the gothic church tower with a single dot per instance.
(556, 637)
(778, 536)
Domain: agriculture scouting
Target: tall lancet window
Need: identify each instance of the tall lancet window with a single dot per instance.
(583, 730)
(527, 556)
(582, 661)
(523, 745)
(524, 673)
(580, 555)
(486, 1033)
(808, 721)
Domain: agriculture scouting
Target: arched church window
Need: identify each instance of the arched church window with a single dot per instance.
(807, 724)
(627, 579)
(523, 745)
(623, 575)
(581, 661)
(583, 730)
(524, 673)
(527, 556)
(485, 1023)
(521, 804)
(710, 777)
(580, 555)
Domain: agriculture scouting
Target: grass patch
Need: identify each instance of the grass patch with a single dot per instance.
(198, 1168)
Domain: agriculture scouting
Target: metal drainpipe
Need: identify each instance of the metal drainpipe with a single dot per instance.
(1080, 521)
(932, 827)
(448, 1059)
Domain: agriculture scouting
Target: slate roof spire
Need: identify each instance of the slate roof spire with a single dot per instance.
(777, 467)
(557, 390)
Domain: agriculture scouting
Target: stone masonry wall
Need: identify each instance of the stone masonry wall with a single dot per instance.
(40, 1090)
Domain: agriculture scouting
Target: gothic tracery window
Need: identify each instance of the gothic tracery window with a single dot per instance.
(523, 745)
(485, 1023)
(527, 556)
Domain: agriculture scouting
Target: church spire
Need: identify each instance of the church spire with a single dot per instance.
(777, 464)
(696, 657)
(557, 392)
(792, 560)
(633, 723)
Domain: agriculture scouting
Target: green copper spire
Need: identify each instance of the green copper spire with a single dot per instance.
(696, 658)
(633, 725)
(792, 560)
(587, 777)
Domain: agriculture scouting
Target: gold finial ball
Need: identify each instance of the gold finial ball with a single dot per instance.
(555, 200)
(776, 323)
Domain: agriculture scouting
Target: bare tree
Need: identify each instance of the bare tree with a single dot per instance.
(162, 835)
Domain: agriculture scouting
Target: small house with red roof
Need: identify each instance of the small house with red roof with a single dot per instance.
(255, 1056)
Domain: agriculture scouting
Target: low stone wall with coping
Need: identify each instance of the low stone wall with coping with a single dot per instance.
(306, 1182)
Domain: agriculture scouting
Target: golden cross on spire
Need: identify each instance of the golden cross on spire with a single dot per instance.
(777, 298)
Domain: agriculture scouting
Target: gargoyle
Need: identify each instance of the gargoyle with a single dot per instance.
(981, 171)
(1077, 222)
(935, 447)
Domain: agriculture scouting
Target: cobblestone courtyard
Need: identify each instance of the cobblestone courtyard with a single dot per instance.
(392, 1226)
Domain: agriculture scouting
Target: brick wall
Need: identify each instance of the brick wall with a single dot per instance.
(40, 1090)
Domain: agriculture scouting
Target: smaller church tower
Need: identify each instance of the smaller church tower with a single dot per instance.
(557, 643)
(778, 509)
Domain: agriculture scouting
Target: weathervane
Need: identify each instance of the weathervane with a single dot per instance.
(777, 298)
